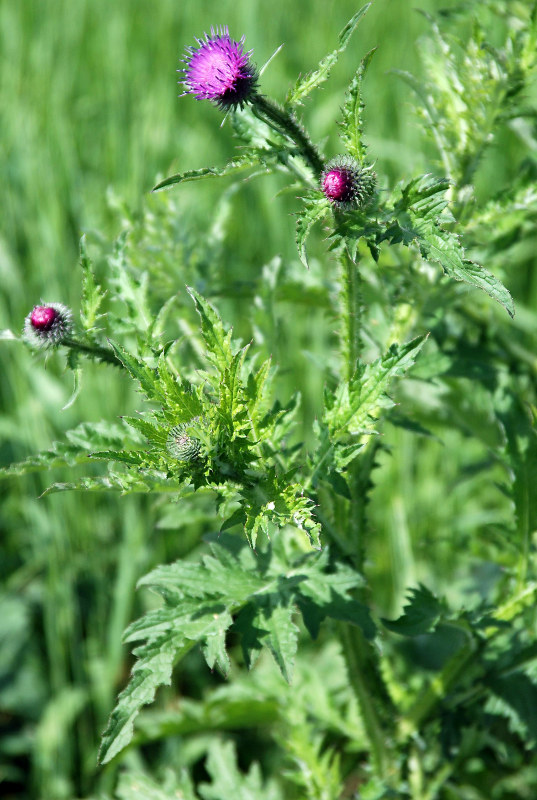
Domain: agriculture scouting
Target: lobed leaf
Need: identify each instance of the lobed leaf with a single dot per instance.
(305, 85)
(200, 602)
(92, 294)
(247, 161)
(350, 409)
(353, 107)
(316, 207)
(420, 615)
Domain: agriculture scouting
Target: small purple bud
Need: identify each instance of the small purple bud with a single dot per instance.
(42, 318)
(346, 184)
(338, 185)
(47, 325)
(220, 70)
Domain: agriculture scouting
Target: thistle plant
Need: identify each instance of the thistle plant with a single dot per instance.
(423, 690)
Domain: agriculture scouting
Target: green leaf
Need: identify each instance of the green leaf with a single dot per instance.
(240, 164)
(136, 785)
(353, 107)
(420, 615)
(228, 783)
(519, 693)
(420, 215)
(146, 376)
(92, 295)
(212, 328)
(304, 86)
(81, 441)
(281, 635)
(152, 669)
(520, 457)
(354, 404)
(202, 599)
(130, 292)
(316, 207)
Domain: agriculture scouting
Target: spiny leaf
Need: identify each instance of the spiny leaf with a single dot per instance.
(281, 635)
(352, 123)
(136, 785)
(130, 291)
(153, 433)
(420, 615)
(421, 213)
(81, 440)
(212, 328)
(152, 669)
(240, 164)
(519, 693)
(304, 86)
(353, 405)
(92, 295)
(200, 602)
(227, 781)
(182, 401)
(140, 371)
(316, 207)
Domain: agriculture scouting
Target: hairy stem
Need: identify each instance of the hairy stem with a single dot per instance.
(287, 125)
(373, 699)
(93, 350)
(351, 312)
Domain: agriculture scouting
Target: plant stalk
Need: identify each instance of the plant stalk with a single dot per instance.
(287, 125)
(93, 350)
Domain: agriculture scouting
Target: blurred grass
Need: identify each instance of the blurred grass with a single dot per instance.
(88, 101)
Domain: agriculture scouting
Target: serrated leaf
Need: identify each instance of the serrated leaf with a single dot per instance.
(352, 406)
(281, 636)
(229, 783)
(304, 86)
(152, 433)
(316, 207)
(146, 376)
(519, 693)
(92, 295)
(419, 616)
(136, 785)
(76, 450)
(421, 214)
(212, 328)
(237, 165)
(353, 107)
(130, 291)
(153, 669)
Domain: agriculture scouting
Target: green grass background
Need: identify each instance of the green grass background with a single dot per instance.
(89, 119)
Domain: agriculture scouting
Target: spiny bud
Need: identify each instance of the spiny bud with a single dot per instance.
(48, 325)
(181, 445)
(220, 70)
(346, 184)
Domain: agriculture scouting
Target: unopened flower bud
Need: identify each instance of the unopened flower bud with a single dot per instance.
(48, 325)
(181, 445)
(220, 70)
(346, 184)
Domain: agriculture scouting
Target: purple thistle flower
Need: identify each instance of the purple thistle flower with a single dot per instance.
(47, 325)
(219, 70)
(347, 184)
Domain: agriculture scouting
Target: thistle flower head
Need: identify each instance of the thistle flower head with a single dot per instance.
(181, 445)
(47, 325)
(346, 184)
(220, 70)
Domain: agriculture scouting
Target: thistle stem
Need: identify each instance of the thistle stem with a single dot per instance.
(286, 124)
(370, 692)
(93, 350)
